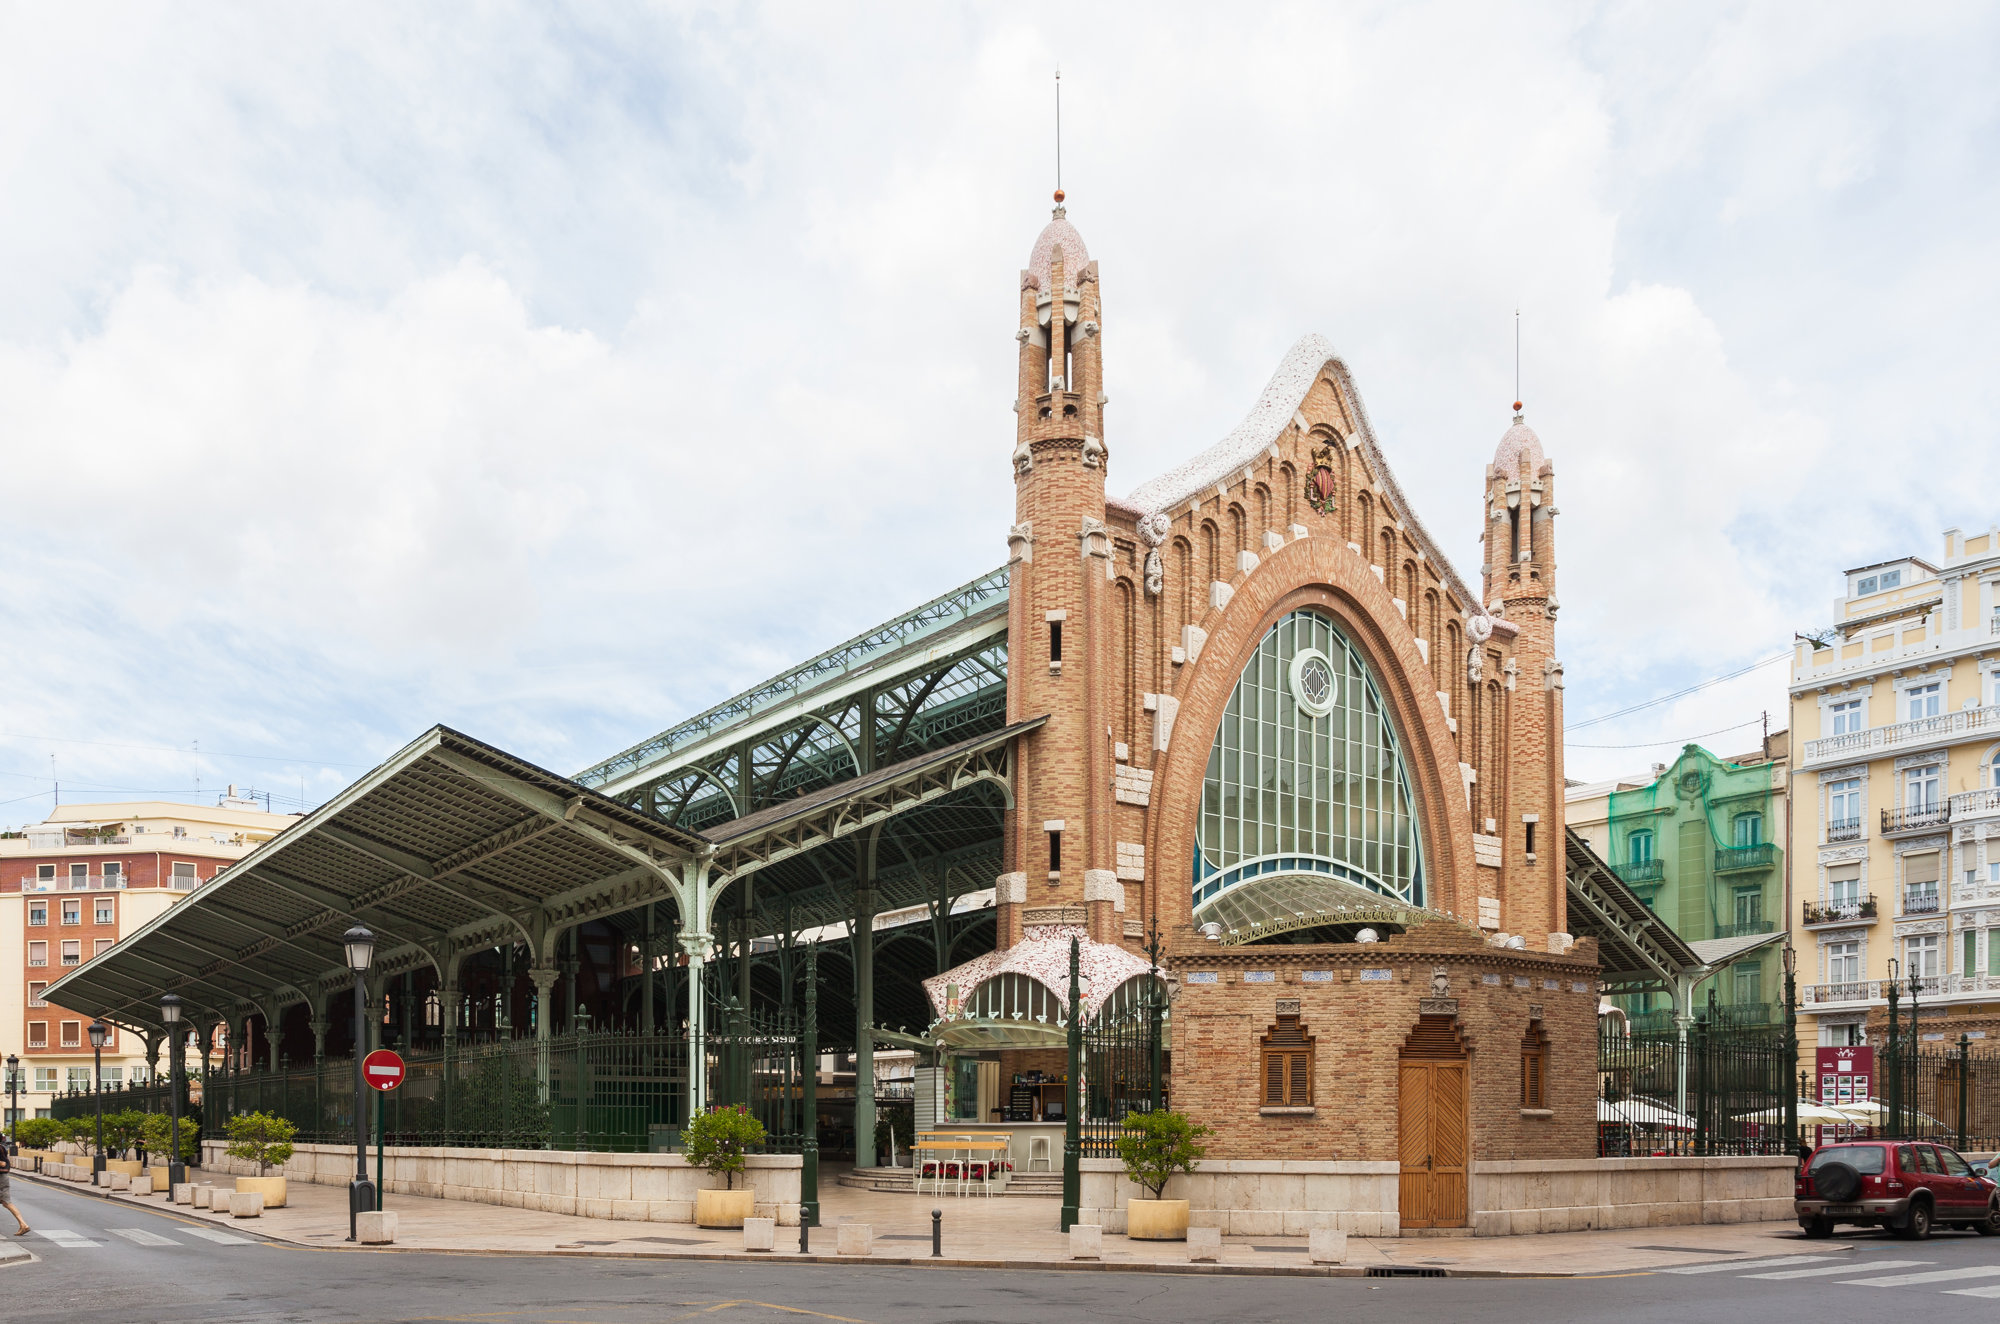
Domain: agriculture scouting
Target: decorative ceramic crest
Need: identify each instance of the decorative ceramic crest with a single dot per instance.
(1320, 480)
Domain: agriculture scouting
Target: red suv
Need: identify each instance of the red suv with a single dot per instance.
(1907, 1186)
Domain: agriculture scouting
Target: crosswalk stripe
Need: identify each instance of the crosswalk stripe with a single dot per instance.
(1990, 1293)
(139, 1236)
(1784, 1263)
(69, 1240)
(219, 1238)
(1939, 1276)
(1849, 1267)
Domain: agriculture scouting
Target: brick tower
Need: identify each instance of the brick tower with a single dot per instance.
(1520, 577)
(1058, 835)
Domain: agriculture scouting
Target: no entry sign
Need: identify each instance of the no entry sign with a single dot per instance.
(382, 1069)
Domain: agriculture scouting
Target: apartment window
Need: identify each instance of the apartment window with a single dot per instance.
(99, 946)
(1748, 981)
(1535, 1067)
(106, 913)
(183, 874)
(72, 1034)
(46, 1077)
(1847, 717)
(1843, 962)
(1920, 956)
(72, 912)
(1843, 885)
(38, 914)
(1749, 909)
(38, 953)
(1749, 829)
(1920, 787)
(38, 1035)
(79, 877)
(1843, 805)
(1288, 1064)
(72, 951)
(35, 991)
(1640, 847)
(1925, 700)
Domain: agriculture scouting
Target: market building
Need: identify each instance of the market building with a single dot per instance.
(1240, 748)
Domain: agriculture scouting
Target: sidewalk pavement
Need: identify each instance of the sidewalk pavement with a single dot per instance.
(978, 1232)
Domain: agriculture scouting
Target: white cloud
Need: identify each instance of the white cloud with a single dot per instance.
(554, 375)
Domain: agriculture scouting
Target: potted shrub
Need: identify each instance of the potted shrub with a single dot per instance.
(1153, 1147)
(717, 1140)
(266, 1141)
(121, 1136)
(157, 1135)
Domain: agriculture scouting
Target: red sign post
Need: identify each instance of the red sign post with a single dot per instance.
(382, 1069)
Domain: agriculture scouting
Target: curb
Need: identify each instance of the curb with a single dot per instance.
(852, 1261)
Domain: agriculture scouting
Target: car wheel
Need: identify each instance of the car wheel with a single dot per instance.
(1989, 1226)
(1819, 1228)
(1917, 1224)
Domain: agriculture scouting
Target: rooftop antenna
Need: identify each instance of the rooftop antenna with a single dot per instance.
(1059, 188)
(1517, 361)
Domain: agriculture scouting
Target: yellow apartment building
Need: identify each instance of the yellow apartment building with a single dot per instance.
(1896, 856)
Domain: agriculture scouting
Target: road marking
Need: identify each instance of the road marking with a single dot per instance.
(1824, 1270)
(1785, 1263)
(69, 1240)
(139, 1236)
(1940, 1276)
(219, 1238)
(1990, 1293)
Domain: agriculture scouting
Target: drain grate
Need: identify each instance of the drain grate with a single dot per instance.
(1402, 1271)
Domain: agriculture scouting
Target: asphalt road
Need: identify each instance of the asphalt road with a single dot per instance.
(97, 1260)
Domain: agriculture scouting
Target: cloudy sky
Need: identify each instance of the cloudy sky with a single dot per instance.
(555, 372)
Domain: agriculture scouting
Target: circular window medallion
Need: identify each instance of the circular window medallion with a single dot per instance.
(1312, 682)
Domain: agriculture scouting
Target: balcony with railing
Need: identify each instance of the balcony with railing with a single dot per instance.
(1916, 818)
(1636, 872)
(1877, 990)
(1922, 901)
(1896, 737)
(1747, 929)
(1975, 804)
(1736, 859)
(1859, 911)
(90, 882)
(1843, 829)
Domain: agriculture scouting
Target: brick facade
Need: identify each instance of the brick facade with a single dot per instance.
(1159, 603)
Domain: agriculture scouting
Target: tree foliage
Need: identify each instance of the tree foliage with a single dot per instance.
(262, 1139)
(1155, 1146)
(718, 1140)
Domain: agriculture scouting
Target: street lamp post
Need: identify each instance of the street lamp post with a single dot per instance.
(360, 945)
(170, 1016)
(99, 1032)
(13, 1096)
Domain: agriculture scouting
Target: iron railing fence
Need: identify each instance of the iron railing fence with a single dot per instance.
(606, 1091)
(1721, 1089)
(1945, 1092)
(1114, 1079)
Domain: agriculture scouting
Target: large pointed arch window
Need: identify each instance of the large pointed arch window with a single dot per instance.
(1306, 773)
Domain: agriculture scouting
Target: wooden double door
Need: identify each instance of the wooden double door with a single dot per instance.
(1432, 1140)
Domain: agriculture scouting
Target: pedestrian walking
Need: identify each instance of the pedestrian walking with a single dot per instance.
(6, 1191)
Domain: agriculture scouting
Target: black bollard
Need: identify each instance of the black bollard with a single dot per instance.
(937, 1234)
